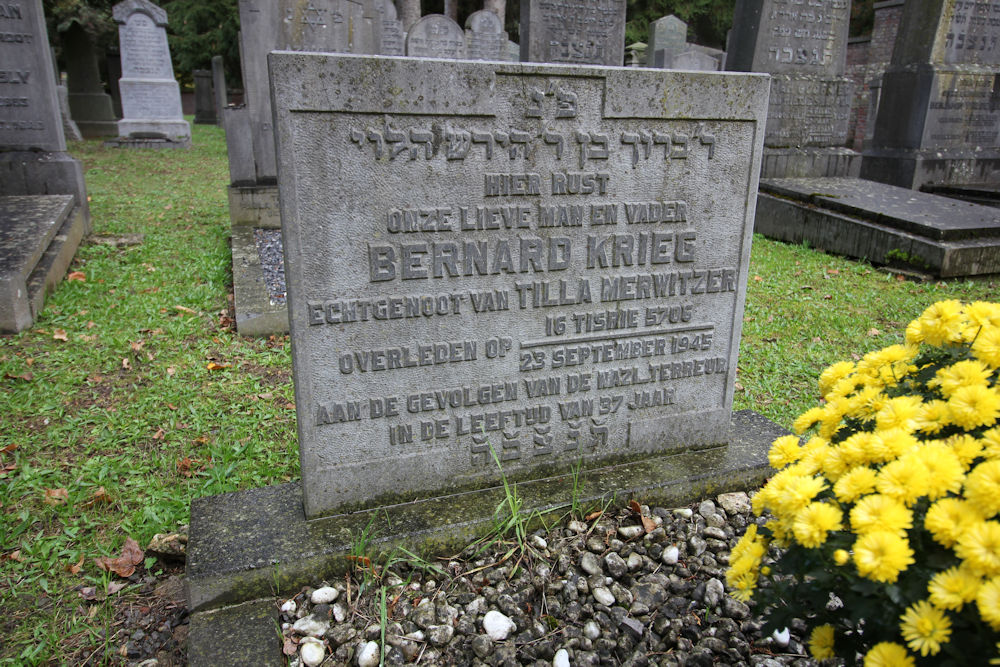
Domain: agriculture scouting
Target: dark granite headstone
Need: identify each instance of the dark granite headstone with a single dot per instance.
(204, 100)
(804, 47)
(938, 120)
(89, 105)
(219, 90)
(561, 31)
(44, 211)
(435, 36)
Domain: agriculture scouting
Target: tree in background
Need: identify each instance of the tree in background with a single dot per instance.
(862, 17)
(200, 29)
(94, 16)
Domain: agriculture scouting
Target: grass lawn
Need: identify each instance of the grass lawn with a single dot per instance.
(133, 394)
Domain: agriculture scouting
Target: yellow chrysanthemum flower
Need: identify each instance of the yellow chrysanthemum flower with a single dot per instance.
(881, 555)
(898, 441)
(784, 451)
(965, 373)
(945, 472)
(943, 322)
(979, 547)
(991, 443)
(982, 488)
(914, 333)
(743, 585)
(812, 524)
(983, 314)
(821, 642)
(880, 513)
(934, 416)
(988, 602)
(900, 412)
(841, 557)
(974, 406)
(795, 492)
(857, 448)
(948, 518)
(966, 447)
(904, 479)
(834, 374)
(866, 403)
(888, 654)
(925, 628)
(953, 588)
(858, 482)
(813, 454)
(986, 347)
(808, 419)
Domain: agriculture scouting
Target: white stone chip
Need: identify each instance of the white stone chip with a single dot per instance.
(670, 555)
(309, 625)
(368, 655)
(561, 658)
(604, 596)
(631, 532)
(311, 651)
(289, 607)
(325, 595)
(781, 637)
(591, 630)
(498, 626)
(539, 542)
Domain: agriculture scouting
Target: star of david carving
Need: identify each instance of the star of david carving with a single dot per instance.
(313, 16)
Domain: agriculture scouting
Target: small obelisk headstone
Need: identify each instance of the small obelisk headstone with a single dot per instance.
(43, 198)
(485, 38)
(804, 48)
(204, 100)
(89, 105)
(219, 90)
(667, 38)
(435, 36)
(151, 98)
(591, 33)
(938, 120)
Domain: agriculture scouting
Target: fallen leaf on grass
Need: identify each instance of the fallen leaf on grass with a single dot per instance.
(833, 272)
(737, 386)
(289, 648)
(9, 448)
(98, 496)
(184, 466)
(635, 507)
(115, 586)
(593, 515)
(136, 345)
(159, 435)
(170, 371)
(185, 309)
(75, 568)
(27, 377)
(215, 366)
(13, 555)
(56, 496)
(60, 334)
(10, 467)
(126, 364)
(873, 332)
(758, 279)
(89, 593)
(91, 324)
(289, 406)
(78, 276)
(29, 361)
(648, 524)
(124, 565)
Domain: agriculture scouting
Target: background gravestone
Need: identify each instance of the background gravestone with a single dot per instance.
(435, 36)
(219, 90)
(694, 60)
(89, 105)
(667, 35)
(204, 99)
(349, 26)
(485, 38)
(804, 48)
(938, 122)
(393, 38)
(592, 33)
(151, 98)
(43, 207)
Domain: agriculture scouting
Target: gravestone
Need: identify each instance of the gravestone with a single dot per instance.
(512, 52)
(435, 36)
(204, 99)
(89, 105)
(151, 98)
(557, 31)
(692, 60)
(219, 89)
(349, 26)
(669, 35)
(485, 38)
(70, 131)
(43, 199)
(938, 122)
(804, 48)
(393, 39)
(483, 259)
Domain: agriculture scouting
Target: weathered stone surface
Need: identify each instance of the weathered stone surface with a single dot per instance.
(504, 214)
(485, 38)
(393, 39)
(204, 99)
(219, 91)
(883, 224)
(151, 98)
(235, 635)
(562, 31)
(435, 36)
(669, 35)
(694, 60)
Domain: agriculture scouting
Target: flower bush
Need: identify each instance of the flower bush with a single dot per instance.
(882, 528)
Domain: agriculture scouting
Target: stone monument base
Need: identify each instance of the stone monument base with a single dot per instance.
(173, 130)
(147, 142)
(252, 209)
(38, 240)
(883, 224)
(243, 545)
(93, 114)
(44, 173)
(942, 167)
(810, 163)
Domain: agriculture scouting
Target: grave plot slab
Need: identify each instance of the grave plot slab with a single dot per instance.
(38, 239)
(883, 224)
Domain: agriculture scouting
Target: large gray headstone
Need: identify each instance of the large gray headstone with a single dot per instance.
(485, 38)
(435, 36)
(669, 35)
(151, 98)
(591, 33)
(484, 255)
(938, 117)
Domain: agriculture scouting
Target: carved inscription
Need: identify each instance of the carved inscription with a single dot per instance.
(574, 31)
(965, 112)
(972, 35)
(803, 35)
(27, 111)
(145, 53)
